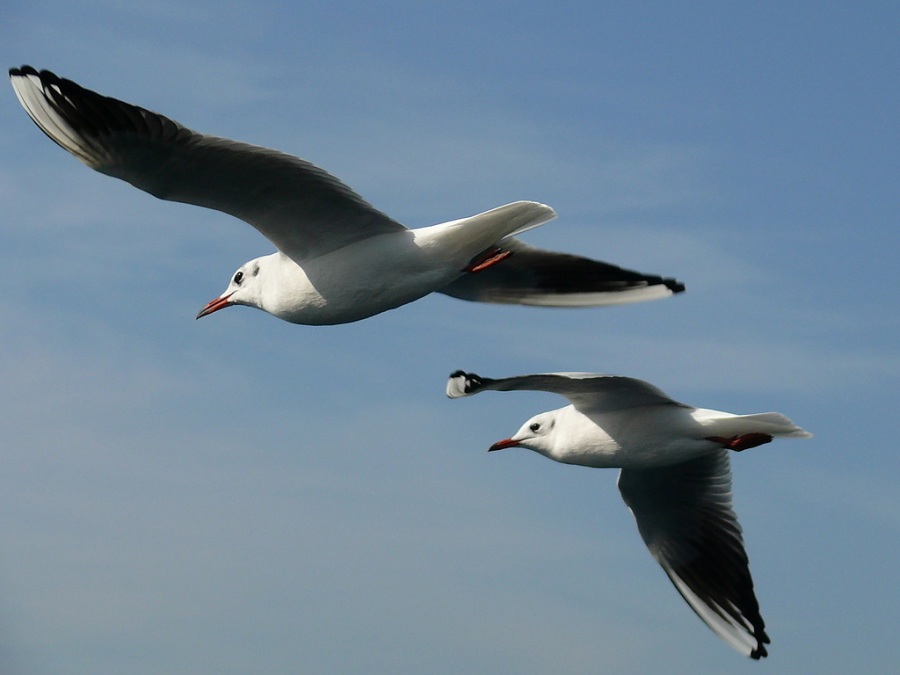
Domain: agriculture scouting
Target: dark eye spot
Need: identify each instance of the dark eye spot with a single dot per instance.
(535, 426)
(238, 278)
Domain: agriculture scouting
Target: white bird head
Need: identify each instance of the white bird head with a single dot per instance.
(245, 288)
(536, 434)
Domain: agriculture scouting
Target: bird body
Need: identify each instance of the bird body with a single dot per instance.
(657, 435)
(339, 259)
(675, 477)
(374, 274)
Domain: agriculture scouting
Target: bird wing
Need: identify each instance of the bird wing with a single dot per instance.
(300, 208)
(685, 516)
(534, 276)
(588, 392)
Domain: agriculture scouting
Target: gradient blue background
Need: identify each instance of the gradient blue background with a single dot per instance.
(241, 495)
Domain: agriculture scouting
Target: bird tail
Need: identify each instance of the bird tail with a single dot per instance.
(771, 423)
(508, 220)
(475, 240)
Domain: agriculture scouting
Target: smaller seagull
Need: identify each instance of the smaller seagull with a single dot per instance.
(339, 259)
(675, 477)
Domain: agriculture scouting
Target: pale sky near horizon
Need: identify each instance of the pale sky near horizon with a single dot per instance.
(242, 495)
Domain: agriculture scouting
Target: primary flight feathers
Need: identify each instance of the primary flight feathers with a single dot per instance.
(339, 259)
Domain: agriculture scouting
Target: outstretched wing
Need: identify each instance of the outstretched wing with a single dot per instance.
(300, 208)
(588, 392)
(534, 276)
(685, 516)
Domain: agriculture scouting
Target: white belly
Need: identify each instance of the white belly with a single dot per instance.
(637, 437)
(359, 281)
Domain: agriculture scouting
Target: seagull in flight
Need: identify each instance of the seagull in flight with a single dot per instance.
(675, 477)
(338, 258)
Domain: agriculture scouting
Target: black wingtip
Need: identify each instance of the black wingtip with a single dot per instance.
(22, 71)
(674, 285)
(462, 383)
(760, 652)
(761, 641)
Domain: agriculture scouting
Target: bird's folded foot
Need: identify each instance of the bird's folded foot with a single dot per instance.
(742, 442)
(487, 259)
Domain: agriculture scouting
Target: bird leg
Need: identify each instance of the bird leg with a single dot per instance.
(486, 259)
(742, 442)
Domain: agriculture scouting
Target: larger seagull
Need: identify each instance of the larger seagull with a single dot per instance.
(675, 478)
(339, 259)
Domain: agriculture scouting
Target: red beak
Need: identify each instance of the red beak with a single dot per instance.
(215, 305)
(506, 443)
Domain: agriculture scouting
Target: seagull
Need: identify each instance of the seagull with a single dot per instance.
(338, 258)
(675, 477)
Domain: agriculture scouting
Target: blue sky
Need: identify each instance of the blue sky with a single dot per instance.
(241, 495)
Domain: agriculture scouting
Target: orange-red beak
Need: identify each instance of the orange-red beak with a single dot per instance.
(506, 443)
(215, 305)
